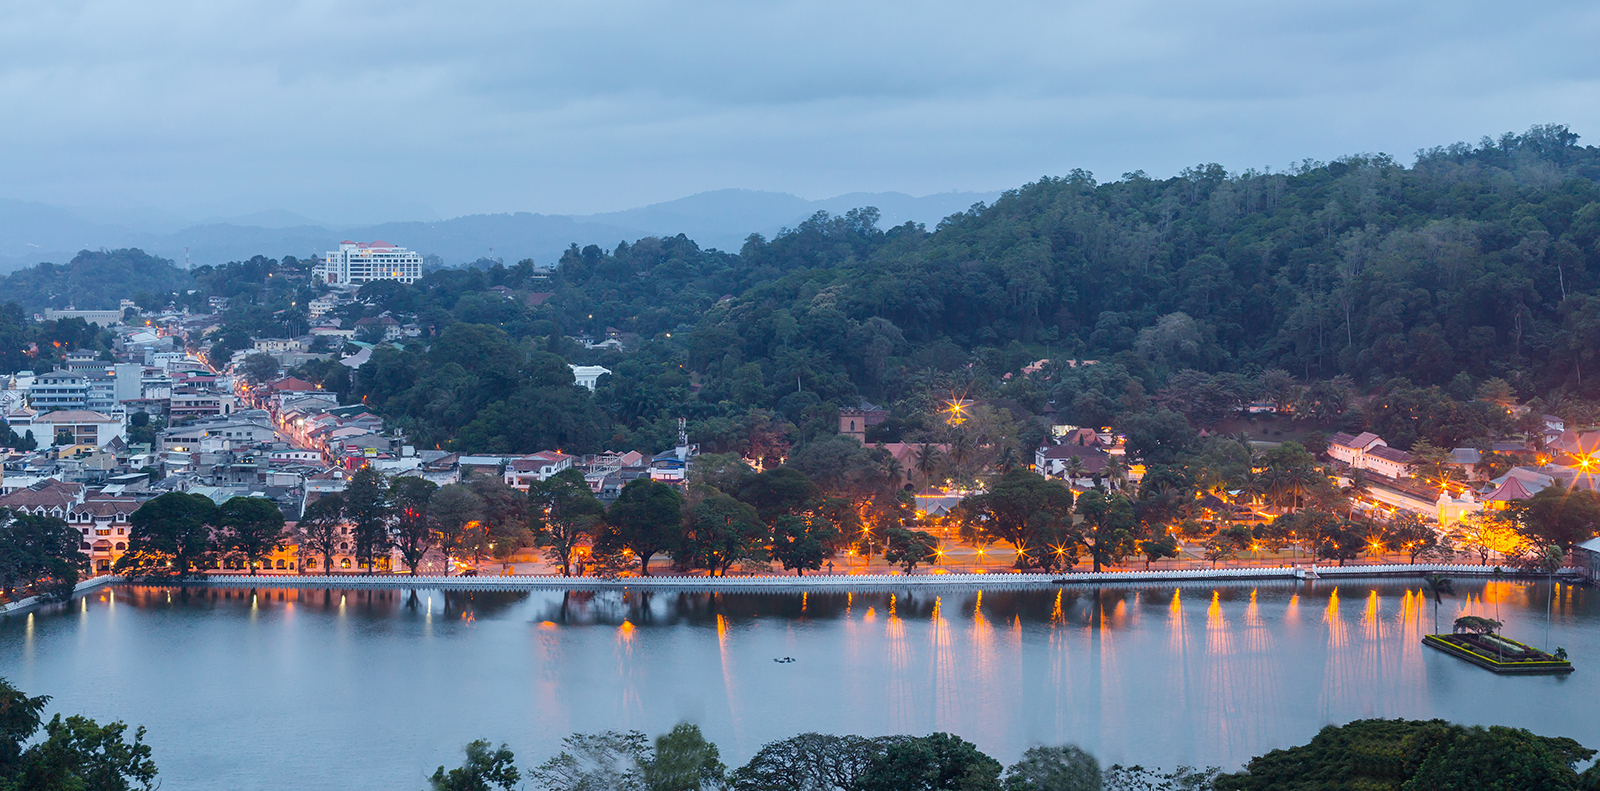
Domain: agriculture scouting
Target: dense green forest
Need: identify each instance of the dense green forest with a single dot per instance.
(1411, 300)
(1375, 293)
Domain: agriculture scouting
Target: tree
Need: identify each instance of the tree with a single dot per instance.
(485, 769)
(721, 532)
(646, 519)
(936, 762)
(809, 762)
(1486, 532)
(1064, 768)
(320, 528)
(1221, 547)
(1414, 755)
(76, 752)
(413, 530)
(1435, 587)
(1339, 539)
(683, 761)
(1499, 757)
(1473, 624)
(910, 548)
(1406, 533)
(1109, 530)
(258, 368)
(801, 544)
(608, 761)
(1558, 515)
(504, 525)
(1159, 437)
(252, 527)
(1032, 514)
(1162, 545)
(457, 513)
(171, 536)
(780, 491)
(39, 552)
(366, 507)
(561, 512)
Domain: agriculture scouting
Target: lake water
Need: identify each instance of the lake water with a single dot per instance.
(333, 689)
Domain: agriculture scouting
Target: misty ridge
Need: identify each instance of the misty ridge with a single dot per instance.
(32, 233)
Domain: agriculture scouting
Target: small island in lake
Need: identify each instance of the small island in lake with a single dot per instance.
(1475, 641)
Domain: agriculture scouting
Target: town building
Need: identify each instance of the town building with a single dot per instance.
(59, 390)
(85, 427)
(1086, 461)
(355, 263)
(587, 375)
(1368, 451)
(535, 467)
(855, 422)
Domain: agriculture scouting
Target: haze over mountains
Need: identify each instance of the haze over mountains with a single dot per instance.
(34, 232)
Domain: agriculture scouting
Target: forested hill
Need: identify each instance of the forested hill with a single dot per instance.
(93, 280)
(1358, 284)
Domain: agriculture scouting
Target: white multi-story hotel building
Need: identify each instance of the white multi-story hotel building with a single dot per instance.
(355, 263)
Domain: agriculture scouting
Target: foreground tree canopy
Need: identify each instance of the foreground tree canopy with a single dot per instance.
(1382, 755)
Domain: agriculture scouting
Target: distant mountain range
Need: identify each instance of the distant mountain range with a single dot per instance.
(34, 232)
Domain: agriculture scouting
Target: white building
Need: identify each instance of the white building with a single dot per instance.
(355, 263)
(86, 427)
(522, 473)
(1368, 451)
(587, 375)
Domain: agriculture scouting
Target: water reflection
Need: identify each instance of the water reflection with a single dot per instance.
(1152, 674)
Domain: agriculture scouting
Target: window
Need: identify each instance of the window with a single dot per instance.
(345, 563)
(121, 546)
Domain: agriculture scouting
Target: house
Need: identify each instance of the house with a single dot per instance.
(49, 497)
(1464, 460)
(103, 523)
(1553, 423)
(392, 331)
(86, 427)
(1587, 556)
(1349, 449)
(1058, 460)
(522, 473)
(1388, 461)
(1368, 451)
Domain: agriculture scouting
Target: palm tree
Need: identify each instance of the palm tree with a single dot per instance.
(927, 461)
(893, 471)
(1007, 459)
(1356, 490)
(1550, 559)
(1074, 468)
(1437, 586)
(960, 452)
(1116, 471)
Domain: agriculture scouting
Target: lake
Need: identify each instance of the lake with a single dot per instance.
(330, 689)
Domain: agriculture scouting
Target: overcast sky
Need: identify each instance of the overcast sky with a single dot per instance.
(356, 111)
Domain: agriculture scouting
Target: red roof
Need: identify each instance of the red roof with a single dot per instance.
(292, 384)
(1512, 489)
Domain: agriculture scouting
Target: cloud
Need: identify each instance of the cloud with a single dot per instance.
(358, 110)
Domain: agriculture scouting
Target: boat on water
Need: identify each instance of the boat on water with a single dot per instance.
(1500, 654)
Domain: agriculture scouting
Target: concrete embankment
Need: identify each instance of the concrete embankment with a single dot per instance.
(30, 602)
(843, 582)
(837, 582)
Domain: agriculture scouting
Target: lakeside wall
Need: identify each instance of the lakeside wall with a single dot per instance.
(838, 582)
(870, 581)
